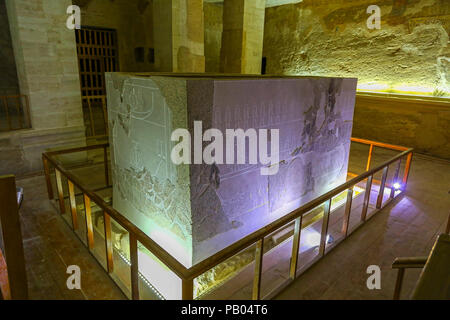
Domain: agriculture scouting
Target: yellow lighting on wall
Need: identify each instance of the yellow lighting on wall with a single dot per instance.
(406, 89)
(373, 87)
(413, 89)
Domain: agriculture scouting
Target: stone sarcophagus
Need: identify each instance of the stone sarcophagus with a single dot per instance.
(196, 208)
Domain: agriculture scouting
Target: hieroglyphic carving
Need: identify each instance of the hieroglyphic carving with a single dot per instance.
(147, 187)
(208, 207)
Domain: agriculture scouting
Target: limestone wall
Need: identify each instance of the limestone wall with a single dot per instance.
(410, 52)
(213, 35)
(133, 20)
(419, 123)
(179, 35)
(9, 84)
(242, 38)
(47, 68)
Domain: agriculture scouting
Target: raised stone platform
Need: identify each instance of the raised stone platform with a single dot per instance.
(195, 210)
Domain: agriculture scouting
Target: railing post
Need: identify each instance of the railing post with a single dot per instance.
(348, 209)
(105, 157)
(47, 177)
(326, 219)
(89, 226)
(187, 289)
(12, 238)
(295, 247)
(447, 230)
(108, 242)
(5, 103)
(397, 171)
(134, 267)
(91, 116)
(59, 186)
(105, 114)
(73, 205)
(19, 113)
(27, 103)
(382, 186)
(398, 283)
(407, 170)
(366, 198)
(259, 253)
(369, 159)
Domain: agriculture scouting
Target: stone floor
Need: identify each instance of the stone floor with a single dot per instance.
(51, 246)
(407, 227)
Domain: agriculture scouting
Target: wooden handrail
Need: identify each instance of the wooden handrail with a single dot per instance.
(379, 144)
(12, 239)
(409, 262)
(405, 263)
(187, 275)
(433, 281)
(76, 149)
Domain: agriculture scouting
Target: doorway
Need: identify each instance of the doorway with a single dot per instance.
(97, 53)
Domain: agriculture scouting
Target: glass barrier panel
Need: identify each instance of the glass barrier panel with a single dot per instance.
(310, 238)
(395, 181)
(121, 273)
(382, 155)
(337, 218)
(373, 195)
(51, 169)
(66, 214)
(385, 188)
(72, 159)
(106, 194)
(80, 215)
(229, 280)
(359, 154)
(276, 259)
(98, 234)
(91, 175)
(87, 166)
(156, 280)
(354, 218)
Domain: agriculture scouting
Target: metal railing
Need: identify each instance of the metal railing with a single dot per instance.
(405, 263)
(401, 264)
(187, 275)
(14, 113)
(447, 230)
